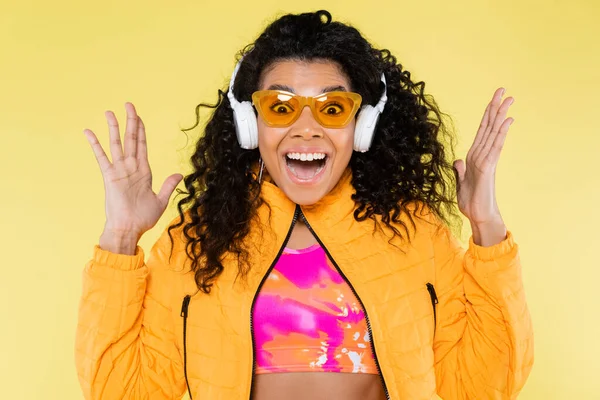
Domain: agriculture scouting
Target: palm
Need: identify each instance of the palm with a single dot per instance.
(131, 204)
(129, 196)
(476, 178)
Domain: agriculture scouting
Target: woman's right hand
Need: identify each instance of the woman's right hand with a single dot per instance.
(131, 205)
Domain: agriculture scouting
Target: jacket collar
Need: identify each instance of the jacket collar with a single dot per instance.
(333, 207)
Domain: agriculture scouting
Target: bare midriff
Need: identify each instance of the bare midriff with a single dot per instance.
(317, 386)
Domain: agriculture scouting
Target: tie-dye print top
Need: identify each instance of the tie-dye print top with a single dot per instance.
(306, 318)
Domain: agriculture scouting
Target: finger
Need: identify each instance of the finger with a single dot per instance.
(496, 101)
(142, 147)
(498, 145)
(484, 126)
(131, 131)
(498, 121)
(481, 131)
(459, 171)
(168, 187)
(502, 111)
(101, 156)
(116, 149)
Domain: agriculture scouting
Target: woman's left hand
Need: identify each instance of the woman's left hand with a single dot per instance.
(476, 177)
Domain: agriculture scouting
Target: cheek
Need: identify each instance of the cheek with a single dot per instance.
(268, 138)
(343, 141)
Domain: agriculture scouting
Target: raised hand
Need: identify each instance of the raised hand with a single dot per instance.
(476, 177)
(131, 205)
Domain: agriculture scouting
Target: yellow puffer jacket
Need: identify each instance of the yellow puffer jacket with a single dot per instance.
(473, 342)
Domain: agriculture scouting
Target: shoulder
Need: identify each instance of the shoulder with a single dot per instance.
(420, 217)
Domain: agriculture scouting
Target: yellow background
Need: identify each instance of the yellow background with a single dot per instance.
(63, 63)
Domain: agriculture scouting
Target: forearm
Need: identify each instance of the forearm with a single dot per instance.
(109, 323)
(490, 233)
(484, 348)
(125, 341)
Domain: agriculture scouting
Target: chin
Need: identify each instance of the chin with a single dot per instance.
(304, 197)
(306, 182)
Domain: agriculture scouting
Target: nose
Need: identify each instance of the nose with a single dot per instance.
(306, 126)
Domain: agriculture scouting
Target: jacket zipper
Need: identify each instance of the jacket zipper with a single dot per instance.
(372, 341)
(184, 314)
(287, 237)
(434, 301)
(298, 211)
(186, 302)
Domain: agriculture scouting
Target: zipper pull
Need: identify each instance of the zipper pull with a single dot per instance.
(184, 306)
(432, 294)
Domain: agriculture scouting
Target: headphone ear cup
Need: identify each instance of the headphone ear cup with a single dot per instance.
(365, 128)
(245, 125)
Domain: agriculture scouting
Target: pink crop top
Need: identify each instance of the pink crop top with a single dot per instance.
(306, 318)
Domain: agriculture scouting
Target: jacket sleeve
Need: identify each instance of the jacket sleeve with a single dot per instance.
(125, 341)
(483, 343)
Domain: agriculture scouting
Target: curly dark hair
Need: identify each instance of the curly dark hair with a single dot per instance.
(408, 160)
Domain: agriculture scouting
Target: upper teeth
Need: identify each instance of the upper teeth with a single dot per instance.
(306, 156)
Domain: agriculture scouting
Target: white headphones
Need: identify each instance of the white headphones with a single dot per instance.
(247, 129)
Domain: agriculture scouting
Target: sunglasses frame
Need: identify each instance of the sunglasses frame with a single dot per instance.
(310, 101)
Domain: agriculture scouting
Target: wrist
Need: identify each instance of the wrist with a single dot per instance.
(489, 233)
(119, 242)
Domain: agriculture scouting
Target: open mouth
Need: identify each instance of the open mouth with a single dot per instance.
(305, 166)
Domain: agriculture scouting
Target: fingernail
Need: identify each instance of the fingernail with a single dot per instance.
(502, 92)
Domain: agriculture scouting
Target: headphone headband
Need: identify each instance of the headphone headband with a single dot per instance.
(383, 99)
(230, 95)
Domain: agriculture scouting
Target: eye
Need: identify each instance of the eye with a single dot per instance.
(332, 108)
(281, 108)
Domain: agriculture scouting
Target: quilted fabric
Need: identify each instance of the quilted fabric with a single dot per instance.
(129, 342)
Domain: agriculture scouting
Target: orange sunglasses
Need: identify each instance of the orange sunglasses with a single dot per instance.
(281, 109)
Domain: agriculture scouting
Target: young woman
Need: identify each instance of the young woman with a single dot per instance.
(312, 258)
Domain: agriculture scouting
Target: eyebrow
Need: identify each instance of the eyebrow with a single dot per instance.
(286, 88)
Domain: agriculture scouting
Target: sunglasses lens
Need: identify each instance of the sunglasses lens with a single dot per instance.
(276, 108)
(281, 109)
(335, 109)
